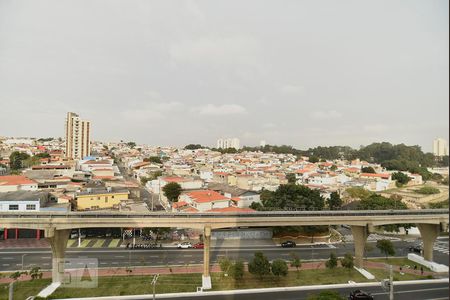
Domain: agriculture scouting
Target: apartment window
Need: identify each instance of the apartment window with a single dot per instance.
(106, 200)
(31, 206)
(98, 198)
(112, 197)
(13, 207)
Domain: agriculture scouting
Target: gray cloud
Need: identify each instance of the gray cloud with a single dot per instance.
(304, 73)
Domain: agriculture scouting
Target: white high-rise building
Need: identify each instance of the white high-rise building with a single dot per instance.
(440, 147)
(228, 143)
(77, 137)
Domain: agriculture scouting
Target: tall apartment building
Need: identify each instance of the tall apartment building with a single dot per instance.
(440, 147)
(228, 143)
(77, 137)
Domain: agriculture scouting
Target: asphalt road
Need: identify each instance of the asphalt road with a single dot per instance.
(436, 291)
(11, 259)
(145, 195)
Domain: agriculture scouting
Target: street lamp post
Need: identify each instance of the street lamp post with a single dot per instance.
(155, 278)
(23, 255)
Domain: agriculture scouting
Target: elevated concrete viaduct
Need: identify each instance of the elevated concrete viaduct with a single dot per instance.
(57, 226)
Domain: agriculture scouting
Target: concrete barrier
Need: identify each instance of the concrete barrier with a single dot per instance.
(435, 267)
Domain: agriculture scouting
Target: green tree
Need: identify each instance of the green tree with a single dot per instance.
(313, 159)
(367, 170)
(347, 261)
(333, 168)
(401, 178)
(291, 178)
(172, 190)
(335, 201)
(225, 264)
(131, 144)
(35, 273)
(326, 295)
(16, 160)
(259, 265)
(296, 261)
(378, 202)
(43, 155)
(386, 247)
(153, 159)
(331, 263)
(237, 270)
(292, 197)
(194, 147)
(144, 180)
(279, 268)
(16, 275)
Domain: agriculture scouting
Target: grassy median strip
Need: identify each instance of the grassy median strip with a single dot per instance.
(24, 289)
(177, 283)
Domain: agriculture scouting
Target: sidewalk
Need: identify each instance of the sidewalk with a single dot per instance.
(136, 271)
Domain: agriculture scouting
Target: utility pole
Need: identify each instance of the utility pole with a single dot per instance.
(79, 237)
(391, 284)
(155, 278)
(11, 291)
(23, 255)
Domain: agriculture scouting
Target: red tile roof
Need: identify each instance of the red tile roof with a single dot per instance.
(179, 204)
(174, 179)
(15, 180)
(206, 196)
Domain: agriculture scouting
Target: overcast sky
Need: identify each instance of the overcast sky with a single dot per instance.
(303, 73)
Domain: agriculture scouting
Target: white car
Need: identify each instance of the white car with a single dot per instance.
(184, 245)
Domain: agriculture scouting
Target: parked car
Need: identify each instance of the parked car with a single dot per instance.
(360, 295)
(288, 244)
(199, 246)
(184, 245)
(415, 248)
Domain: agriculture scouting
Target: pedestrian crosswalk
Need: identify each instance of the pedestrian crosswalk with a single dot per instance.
(371, 237)
(441, 247)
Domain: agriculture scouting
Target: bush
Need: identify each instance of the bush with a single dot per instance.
(332, 261)
(259, 265)
(237, 270)
(279, 267)
(225, 264)
(347, 261)
(428, 190)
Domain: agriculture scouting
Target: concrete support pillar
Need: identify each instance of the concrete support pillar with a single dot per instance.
(206, 278)
(359, 238)
(17, 233)
(58, 241)
(6, 234)
(429, 233)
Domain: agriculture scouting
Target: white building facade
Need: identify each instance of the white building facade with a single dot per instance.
(228, 143)
(77, 137)
(440, 147)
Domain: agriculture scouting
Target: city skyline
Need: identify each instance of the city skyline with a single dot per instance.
(187, 74)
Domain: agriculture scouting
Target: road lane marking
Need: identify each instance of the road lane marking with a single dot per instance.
(7, 257)
(46, 257)
(119, 256)
(5, 265)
